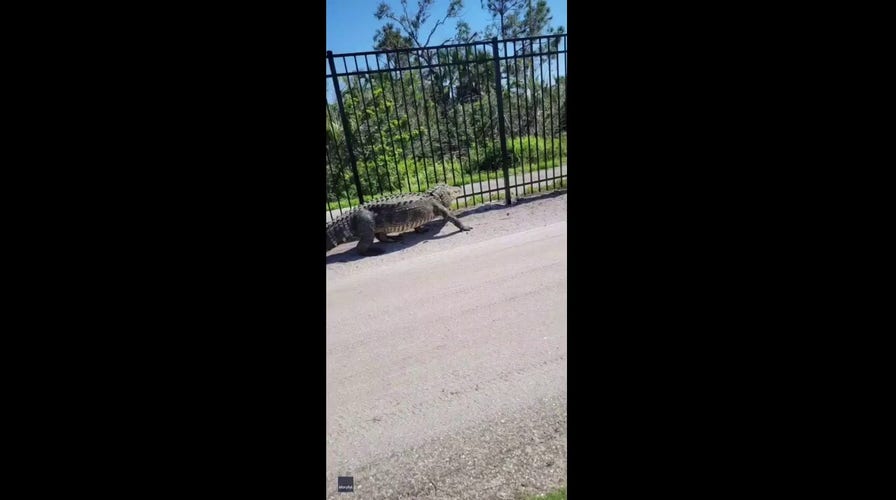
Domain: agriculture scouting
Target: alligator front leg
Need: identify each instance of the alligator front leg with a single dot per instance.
(444, 212)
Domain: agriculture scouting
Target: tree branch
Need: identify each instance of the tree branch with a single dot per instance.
(434, 28)
(404, 6)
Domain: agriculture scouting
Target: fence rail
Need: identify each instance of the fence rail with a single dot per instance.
(487, 116)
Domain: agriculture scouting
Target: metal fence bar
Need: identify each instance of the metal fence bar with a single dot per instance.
(519, 121)
(457, 148)
(544, 135)
(471, 82)
(330, 173)
(523, 111)
(341, 161)
(371, 156)
(428, 131)
(407, 113)
(404, 155)
(420, 135)
(439, 111)
(358, 72)
(501, 126)
(442, 157)
(551, 107)
(386, 107)
(538, 91)
(463, 119)
(447, 45)
(379, 128)
(560, 145)
(492, 126)
(354, 105)
(529, 120)
(486, 128)
(345, 123)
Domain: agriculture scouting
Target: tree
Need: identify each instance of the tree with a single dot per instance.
(389, 37)
(505, 16)
(413, 30)
(412, 26)
(521, 19)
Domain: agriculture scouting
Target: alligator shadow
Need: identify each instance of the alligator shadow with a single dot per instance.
(408, 240)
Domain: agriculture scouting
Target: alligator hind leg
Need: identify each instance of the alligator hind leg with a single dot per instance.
(421, 229)
(365, 246)
(385, 238)
(365, 231)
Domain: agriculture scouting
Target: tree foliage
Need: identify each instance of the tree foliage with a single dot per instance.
(412, 25)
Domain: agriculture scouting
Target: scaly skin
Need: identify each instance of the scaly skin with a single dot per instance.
(395, 214)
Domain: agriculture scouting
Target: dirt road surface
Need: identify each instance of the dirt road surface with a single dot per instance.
(446, 359)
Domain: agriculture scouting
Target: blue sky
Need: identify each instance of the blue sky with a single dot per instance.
(351, 23)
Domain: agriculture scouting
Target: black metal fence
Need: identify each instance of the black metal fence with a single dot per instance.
(488, 116)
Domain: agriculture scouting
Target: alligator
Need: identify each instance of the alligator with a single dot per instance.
(394, 214)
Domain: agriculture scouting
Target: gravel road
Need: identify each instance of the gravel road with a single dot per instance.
(446, 359)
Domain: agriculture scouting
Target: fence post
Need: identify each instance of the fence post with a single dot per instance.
(501, 126)
(347, 126)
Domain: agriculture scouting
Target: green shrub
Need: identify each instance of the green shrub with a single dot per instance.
(391, 174)
(527, 152)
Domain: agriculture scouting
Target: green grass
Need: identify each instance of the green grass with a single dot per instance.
(467, 179)
(554, 495)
